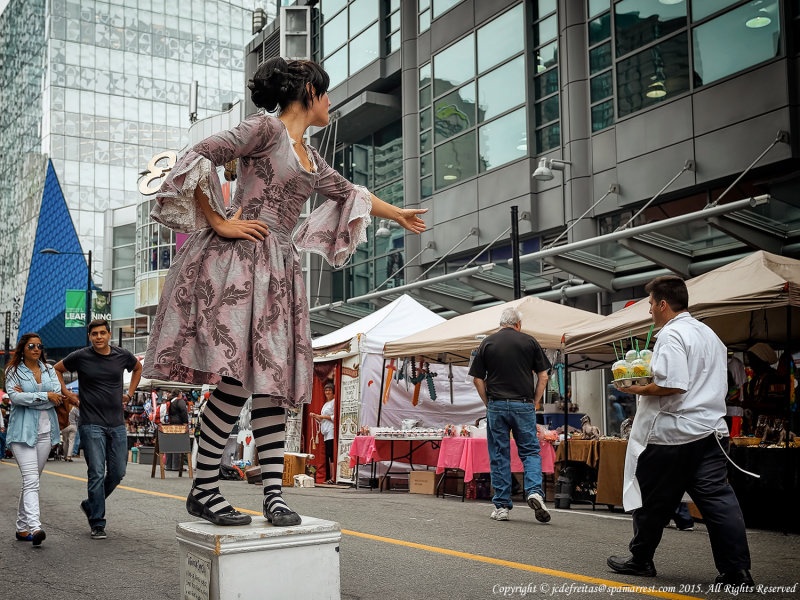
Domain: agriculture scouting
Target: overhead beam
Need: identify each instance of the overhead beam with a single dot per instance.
(332, 315)
(755, 237)
(630, 232)
(595, 275)
(669, 259)
(456, 304)
(495, 290)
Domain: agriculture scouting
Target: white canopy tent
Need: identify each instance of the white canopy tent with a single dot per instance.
(366, 338)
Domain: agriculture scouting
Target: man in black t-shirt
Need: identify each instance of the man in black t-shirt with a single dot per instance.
(102, 421)
(503, 371)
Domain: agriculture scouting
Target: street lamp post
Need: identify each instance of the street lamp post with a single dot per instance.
(88, 315)
(7, 342)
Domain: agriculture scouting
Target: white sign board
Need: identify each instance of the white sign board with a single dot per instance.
(198, 578)
(349, 409)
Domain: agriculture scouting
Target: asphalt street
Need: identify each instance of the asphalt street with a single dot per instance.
(394, 545)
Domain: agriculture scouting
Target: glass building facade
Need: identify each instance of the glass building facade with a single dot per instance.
(105, 87)
(487, 90)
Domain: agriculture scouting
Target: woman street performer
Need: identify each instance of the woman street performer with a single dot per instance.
(233, 312)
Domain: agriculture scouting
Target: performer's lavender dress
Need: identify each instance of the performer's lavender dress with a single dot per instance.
(237, 308)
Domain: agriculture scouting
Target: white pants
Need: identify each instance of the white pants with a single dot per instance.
(31, 461)
(68, 439)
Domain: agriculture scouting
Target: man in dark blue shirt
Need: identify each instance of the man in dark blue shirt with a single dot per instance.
(503, 372)
(102, 419)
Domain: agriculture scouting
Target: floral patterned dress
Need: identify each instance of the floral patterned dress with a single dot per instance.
(235, 307)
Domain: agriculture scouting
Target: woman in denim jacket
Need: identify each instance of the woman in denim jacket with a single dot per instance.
(35, 390)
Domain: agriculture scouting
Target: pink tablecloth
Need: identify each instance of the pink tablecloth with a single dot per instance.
(471, 455)
(367, 449)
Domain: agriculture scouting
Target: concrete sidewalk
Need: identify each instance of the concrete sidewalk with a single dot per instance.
(395, 545)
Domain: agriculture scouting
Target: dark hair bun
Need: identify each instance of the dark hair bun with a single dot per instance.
(270, 85)
(276, 84)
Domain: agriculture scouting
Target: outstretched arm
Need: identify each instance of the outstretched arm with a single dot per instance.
(408, 218)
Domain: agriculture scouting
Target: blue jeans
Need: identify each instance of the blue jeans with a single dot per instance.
(503, 416)
(2, 445)
(103, 447)
(76, 445)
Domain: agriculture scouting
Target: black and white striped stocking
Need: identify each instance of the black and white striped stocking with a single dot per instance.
(216, 424)
(269, 430)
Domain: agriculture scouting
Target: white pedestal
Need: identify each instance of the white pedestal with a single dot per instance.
(260, 561)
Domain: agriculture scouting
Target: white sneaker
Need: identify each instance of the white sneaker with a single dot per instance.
(500, 514)
(536, 502)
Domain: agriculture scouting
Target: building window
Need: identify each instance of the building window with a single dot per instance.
(640, 22)
(442, 6)
(350, 35)
(392, 20)
(469, 95)
(123, 256)
(660, 54)
(424, 15)
(426, 133)
(546, 107)
(601, 84)
(653, 75)
(375, 162)
(736, 40)
(155, 243)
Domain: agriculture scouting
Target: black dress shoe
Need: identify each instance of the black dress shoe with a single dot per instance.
(630, 566)
(741, 577)
(281, 516)
(225, 518)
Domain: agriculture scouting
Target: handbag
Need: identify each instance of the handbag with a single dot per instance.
(62, 412)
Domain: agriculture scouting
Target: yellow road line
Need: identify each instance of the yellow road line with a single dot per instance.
(644, 590)
(520, 566)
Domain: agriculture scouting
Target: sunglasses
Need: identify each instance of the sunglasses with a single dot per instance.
(32, 346)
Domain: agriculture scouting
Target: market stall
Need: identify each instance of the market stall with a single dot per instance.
(352, 356)
(453, 342)
(755, 300)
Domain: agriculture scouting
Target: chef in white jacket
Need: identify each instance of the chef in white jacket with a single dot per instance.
(676, 444)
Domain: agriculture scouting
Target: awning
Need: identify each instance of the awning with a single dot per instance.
(743, 302)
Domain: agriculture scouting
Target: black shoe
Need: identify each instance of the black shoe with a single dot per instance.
(741, 577)
(38, 537)
(281, 516)
(99, 533)
(228, 517)
(629, 566)
(24, 538)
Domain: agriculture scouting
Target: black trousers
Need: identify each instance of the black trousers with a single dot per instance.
(700, 468)
(328, 459)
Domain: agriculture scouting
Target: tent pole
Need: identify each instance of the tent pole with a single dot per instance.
(450, 377)
(380, 392)
(787, 455)
(515, 270)
(566, 409)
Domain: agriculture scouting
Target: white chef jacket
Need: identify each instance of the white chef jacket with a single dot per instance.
(687, 355)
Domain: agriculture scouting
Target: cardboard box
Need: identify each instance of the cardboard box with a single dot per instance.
(292, 465)
(423, 482)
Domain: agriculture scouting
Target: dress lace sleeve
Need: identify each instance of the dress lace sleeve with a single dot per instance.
(176, 207)
(336, 228)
